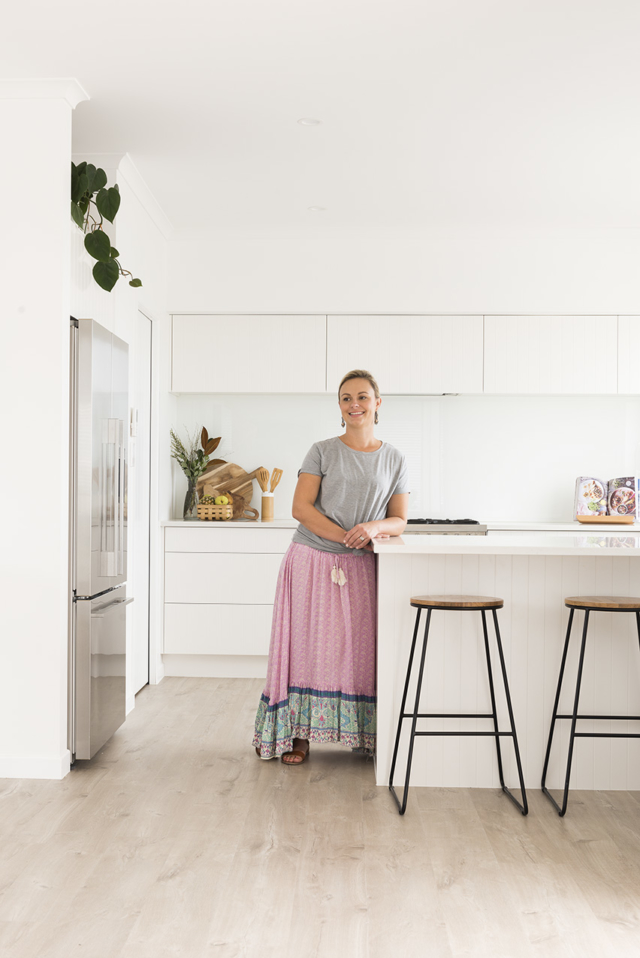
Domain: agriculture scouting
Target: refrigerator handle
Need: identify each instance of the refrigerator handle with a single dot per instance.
(108, 501)
(105, 610)
(121, 480)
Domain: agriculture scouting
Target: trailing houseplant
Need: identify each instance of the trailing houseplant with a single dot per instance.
(193, 462)
(89, 189)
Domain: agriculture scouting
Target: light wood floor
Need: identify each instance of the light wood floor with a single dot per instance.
(176, 840)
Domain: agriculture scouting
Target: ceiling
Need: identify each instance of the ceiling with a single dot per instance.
(436, 114)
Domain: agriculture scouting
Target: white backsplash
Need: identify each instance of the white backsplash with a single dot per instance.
(479, 457)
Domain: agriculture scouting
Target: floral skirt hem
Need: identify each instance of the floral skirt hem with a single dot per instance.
(319, 716)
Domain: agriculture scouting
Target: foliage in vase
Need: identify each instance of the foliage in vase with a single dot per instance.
(87, 182)
(193, 460)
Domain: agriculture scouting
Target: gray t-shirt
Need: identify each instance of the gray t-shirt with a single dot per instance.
(356, 487)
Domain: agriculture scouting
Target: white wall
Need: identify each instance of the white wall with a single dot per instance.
(478, 457)
(492, 272)
(493, 457)
(34, 413)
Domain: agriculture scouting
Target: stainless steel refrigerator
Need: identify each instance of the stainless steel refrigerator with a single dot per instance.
(98, 535)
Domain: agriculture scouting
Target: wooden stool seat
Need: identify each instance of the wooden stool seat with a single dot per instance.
(605, 603)
(456, 602)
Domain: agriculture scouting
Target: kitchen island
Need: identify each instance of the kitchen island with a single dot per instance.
(533, 573)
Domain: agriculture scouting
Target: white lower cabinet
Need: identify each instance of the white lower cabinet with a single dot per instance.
(191, 629)
(219, 588)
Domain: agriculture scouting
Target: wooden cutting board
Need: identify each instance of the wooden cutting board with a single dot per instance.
(227, 477)
(607, 520)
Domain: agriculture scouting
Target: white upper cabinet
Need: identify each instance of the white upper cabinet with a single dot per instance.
(628, 351)
(248, 354)
(408, 354)
(551, 354)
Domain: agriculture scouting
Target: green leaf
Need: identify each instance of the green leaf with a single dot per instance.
(135, 282)
(91, 174)
(78, 187)
(81, 167)
(106, 275)
(114, 253)
(108, 203)
(97, 245)
(100, 179)
(77, 215)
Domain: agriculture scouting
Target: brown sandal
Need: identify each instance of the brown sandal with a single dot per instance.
(297, 751)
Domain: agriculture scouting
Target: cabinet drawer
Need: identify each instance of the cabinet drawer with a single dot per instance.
(207, 538)
(217, 629)
(214, 578)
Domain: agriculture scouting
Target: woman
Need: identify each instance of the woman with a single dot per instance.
(321, 673)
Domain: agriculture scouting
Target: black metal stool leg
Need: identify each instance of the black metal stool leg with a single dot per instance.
(404, 697)
(638, 625)
(414, 715)
(562, 809)
(524, 807)
(555, 711)
(576, 702)
(494, 711)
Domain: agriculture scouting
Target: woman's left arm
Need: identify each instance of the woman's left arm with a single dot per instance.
(393, 525)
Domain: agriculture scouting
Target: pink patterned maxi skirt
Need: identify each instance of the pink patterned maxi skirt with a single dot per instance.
(321, 673)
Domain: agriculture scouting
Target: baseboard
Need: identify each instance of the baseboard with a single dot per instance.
(19, 766)
(216, 666)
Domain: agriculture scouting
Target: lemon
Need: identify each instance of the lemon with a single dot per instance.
(222, 501)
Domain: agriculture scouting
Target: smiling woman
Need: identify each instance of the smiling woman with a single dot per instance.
(320, 683)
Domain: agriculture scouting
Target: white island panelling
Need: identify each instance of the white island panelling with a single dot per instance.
(532, 573)
(248, 354)
(408, 354)
(550, 354)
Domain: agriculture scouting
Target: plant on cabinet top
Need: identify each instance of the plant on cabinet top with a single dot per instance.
(88, 182)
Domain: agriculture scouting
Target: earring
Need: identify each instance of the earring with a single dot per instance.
(342, 423)
(376, 419)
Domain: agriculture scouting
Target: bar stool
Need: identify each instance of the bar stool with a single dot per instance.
(588, 604)
(461, 603)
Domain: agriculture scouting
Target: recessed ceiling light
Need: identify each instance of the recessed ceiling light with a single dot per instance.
(317, 209)
(309, 121)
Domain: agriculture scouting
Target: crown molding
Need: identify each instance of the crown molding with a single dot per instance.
(37, 88)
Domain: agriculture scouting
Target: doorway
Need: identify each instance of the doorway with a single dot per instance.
(140, 500)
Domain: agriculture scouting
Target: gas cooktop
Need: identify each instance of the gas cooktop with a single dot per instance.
(455, 527)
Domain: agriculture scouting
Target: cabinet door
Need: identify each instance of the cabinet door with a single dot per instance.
(248, 354)
(628, 352)
(551, 354)
(408, 354)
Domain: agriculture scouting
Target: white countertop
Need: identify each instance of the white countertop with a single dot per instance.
(493, 525)
(226, 523)
(571, 526)
(587, 543)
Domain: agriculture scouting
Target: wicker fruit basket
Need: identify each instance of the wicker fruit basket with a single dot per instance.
(209, 510)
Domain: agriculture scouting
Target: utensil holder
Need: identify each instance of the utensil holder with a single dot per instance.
(267, 507)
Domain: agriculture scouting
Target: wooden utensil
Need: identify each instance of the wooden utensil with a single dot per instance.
(228, 476)
(240, 510)
(607, 520)
(276, 476)
(263, 478)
